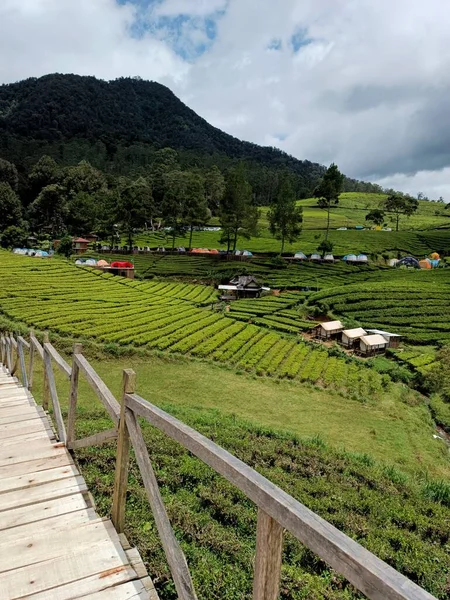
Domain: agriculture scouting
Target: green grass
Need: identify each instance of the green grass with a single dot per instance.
(402, 518)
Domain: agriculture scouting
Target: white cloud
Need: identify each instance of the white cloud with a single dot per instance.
(368, 91)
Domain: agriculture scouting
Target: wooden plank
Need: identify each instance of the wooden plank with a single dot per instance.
(12, 392)
(133, 590)
(269, 548)
(364, 570)
(14, 429)
(104, 394)
(31, 414)
(34, 466)
(16, 452)
(29, 480)
(23, 369)
(48, 574)
(94, 440)
(37, 345)
(122, 457)
(31, 361)
(51, 525)
(23, 341)
(59, 360)
(73, 395)
(24, 552)
(20, 410)
(42, 493)
(42, 511)
(46, 388)
(27, 438)
(107, 580)
(172, 549)
(54, 396)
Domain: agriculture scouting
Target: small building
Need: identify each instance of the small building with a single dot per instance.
(351, 336)
(372, 344)
(393, 339)
(80, 245)
(328, 329)
(244, 286)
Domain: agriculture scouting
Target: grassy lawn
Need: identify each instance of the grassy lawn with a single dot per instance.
(403, 520)
(390, 430)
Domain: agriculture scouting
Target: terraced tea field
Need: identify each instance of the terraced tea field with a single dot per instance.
(173, 317)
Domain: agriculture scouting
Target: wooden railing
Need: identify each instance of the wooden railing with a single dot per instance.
(277, 510)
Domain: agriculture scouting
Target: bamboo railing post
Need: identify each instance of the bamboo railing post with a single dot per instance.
(123, 456)
(31, 364)
(23, 368)
(73, 395)
(269, 546)
(46, 390)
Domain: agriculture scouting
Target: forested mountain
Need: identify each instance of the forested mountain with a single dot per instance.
(119, 125)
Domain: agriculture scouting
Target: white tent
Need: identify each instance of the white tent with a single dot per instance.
(315, 257)
(300, 256)
(329, 257)
(370, 344)
(362, 258)
(350, 336)
(329, 328)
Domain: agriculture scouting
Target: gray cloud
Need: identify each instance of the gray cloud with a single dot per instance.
(368, 91)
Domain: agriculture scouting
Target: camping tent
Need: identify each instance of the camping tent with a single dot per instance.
(350, 336)
(393, 262)
(300, 256)
(408, 261)
(247, 253)
(362, 258)
(102, 263)
(315, 257)
(122, 265)
(350, 258)
(91, 262)
(371, 344)
(425, 263)
(328, 257)
(359, 227)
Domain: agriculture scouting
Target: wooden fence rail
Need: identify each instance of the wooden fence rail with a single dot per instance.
(277, 510)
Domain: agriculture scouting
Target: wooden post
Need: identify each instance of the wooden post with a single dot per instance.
(269, 546)
(123, 456)
(73, 395)
(14, 359)
(9, 352)
(31, 365)
(22, 362)
(2, 346)
(46, 390)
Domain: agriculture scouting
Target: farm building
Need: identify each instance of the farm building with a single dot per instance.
(328, 329)
(244, 286)
(351, 336)
(372, 344)
(393, 339)
(80, 245)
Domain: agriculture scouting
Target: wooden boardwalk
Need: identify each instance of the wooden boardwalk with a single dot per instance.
(53, 545)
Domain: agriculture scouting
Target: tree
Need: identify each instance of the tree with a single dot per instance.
(9, 174)
(50, 209)
(14, 237)
(44, 173)
(10, 207)
(164, 161)
(134, 206)
(238, 215)
(400, 205)
(325, 247)
(65, 246)
(214, 188)
(376, 216)
(328, 191)
(285, 217)
(195, 210)
(83, 178)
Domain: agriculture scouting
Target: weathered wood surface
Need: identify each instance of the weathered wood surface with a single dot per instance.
(100, 388)
(53, 546)
(63, 366)
(368, 573)
(269, 548)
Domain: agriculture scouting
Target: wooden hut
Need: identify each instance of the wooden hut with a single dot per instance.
(372, 344)
(351, 336)
(80, 245)
(328, 329)
(244, 286)
(393, 339)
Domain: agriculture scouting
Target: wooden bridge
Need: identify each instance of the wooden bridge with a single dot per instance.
(53, 545)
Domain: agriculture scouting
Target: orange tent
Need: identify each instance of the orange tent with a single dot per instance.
(214, 251)
(425, 264)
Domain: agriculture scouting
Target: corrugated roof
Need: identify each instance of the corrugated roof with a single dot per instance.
(374, 340)
(354, 333)
(384, 333)
(332, 325)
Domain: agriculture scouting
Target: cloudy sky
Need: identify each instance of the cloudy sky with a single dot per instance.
(357, 82)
